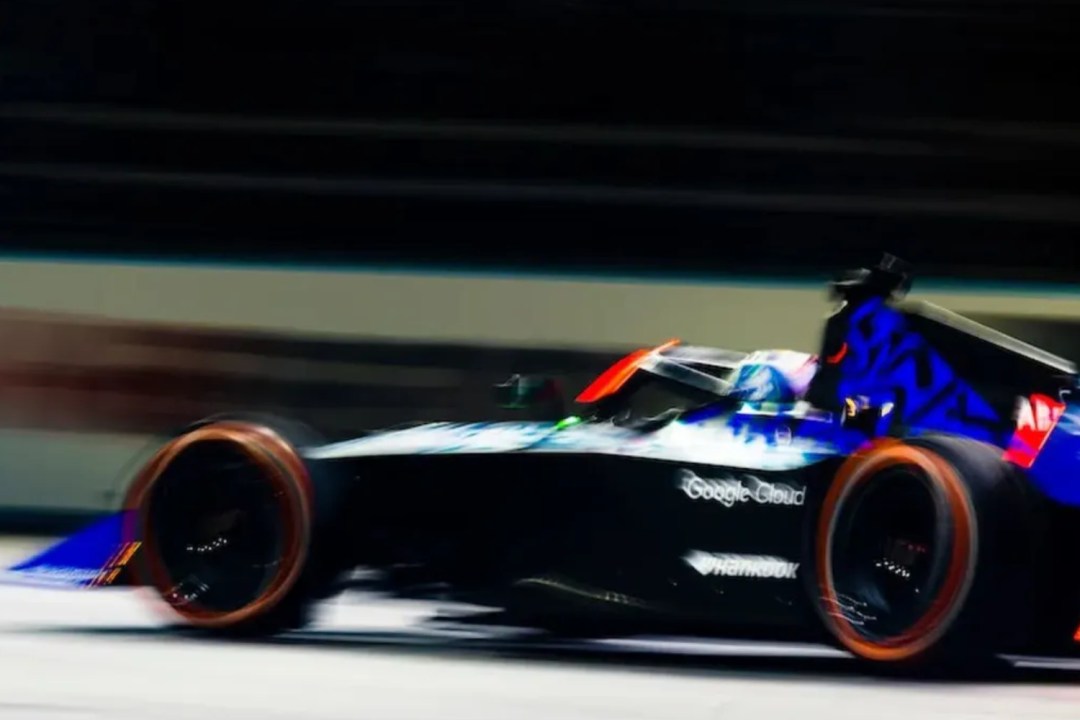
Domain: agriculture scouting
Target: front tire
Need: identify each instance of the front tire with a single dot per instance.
(919, 553)
(233, 522)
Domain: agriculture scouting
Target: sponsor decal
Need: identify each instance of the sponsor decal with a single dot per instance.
(742, 566)
(58, 574)
(730, 490)
(1038, 414)
(1036, 418)
(116, 563)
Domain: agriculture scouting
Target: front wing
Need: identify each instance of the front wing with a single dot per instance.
(94, 557)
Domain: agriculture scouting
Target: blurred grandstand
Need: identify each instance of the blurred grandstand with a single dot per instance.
(756, 136)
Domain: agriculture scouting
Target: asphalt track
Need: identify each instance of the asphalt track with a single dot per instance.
(106, 654)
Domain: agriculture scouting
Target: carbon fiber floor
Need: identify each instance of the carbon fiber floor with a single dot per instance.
(66, 654)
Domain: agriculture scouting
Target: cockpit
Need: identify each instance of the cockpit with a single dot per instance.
(673, 379)
(881, 359)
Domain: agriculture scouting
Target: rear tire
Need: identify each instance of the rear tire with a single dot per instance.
(236, 527)
(920, 554)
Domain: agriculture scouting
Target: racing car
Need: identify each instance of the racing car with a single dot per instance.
(908, 493)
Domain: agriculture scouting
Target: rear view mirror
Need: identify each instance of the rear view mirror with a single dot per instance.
(522, 392)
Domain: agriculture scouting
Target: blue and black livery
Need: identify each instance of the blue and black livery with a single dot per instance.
(907, 493)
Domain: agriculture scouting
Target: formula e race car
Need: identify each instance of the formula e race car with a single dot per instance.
(909, 493)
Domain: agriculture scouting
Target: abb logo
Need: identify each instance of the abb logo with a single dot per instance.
(1036, 417)
(1038, 413)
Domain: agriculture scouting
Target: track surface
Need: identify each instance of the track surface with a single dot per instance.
(105, 654)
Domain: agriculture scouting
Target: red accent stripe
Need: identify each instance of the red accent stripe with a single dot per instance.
(834, 359)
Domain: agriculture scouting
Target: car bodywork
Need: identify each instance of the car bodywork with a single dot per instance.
(687, 492)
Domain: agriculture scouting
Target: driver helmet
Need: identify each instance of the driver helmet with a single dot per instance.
(780, 376)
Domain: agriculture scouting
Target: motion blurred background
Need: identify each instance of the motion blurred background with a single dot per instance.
(360, 213)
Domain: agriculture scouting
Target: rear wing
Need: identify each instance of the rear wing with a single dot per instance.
(1000, 366)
